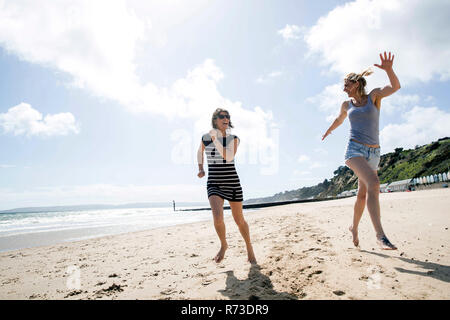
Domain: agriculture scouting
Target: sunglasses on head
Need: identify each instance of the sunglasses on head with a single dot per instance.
(222, 116)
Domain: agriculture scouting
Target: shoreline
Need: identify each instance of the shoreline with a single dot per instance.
(302, 250)
(26, 239)
(55, 237)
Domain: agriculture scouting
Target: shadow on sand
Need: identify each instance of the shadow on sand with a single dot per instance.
(437, 271)
(256, 286)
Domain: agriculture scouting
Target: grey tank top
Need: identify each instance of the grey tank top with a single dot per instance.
(364, 122)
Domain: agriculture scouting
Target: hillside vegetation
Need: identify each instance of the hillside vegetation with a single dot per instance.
(401, 164)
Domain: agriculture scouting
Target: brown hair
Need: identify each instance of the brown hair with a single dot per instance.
(216, 115)
(359, 77)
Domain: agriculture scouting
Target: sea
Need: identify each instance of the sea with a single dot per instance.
(32, 229)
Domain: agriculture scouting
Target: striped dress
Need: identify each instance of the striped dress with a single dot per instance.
(223, 180)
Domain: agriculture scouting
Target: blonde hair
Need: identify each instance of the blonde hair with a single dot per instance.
(216, 115)
(359, 77)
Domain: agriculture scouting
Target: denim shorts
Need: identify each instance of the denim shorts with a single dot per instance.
(372, 155)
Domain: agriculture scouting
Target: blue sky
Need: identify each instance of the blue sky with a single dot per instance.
(106, 102)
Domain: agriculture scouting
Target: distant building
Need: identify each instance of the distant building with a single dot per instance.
(348, 193)
(383, 187)
(401, 185)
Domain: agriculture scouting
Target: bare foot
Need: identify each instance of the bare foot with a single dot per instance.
(355, 236)
(221, 254)
(385, 244)
(251, 258)
(251, 254)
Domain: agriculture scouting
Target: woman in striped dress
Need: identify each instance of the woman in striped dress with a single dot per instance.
(223, 181)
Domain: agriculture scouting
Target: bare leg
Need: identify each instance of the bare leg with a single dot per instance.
(236, 210)
(369, 177)
(358, 210)
(216, 203)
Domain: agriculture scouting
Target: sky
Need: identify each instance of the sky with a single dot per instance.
(105, 102)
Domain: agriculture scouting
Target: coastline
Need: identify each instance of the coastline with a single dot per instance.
(304, 251)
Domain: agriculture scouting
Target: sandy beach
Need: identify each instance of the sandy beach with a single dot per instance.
(304, 251)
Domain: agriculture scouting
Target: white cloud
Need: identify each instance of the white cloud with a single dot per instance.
(24, 120)
(321, 151)
(6, 166)
(301, 173)
(421, 125)
(291, 32)
(97, 43)
(398, 103)
(349, 38)
(317, 165)
(329, 101)
(268, 77)
(303, 158)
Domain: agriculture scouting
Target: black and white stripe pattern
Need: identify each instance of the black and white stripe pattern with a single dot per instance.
(223, 180)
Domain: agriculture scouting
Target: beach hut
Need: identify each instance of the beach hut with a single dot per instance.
(444, 176)
(440, 177)
(348, 193)
(383, 187)
(435, 178)
(401, 185)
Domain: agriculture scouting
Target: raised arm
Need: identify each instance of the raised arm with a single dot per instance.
(386, 64)
(338, 121)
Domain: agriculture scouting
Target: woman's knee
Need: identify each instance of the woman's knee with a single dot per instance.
(218, 215)
(240, 221)
(361, 196)
(219, 221)
(373, 185)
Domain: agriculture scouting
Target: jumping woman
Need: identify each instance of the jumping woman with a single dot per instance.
(223, 181)
(363, 149)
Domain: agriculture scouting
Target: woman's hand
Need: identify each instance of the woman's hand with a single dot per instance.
(326, 134)
(213, 134)
(386, 62)
(201, 174)
(386, 65)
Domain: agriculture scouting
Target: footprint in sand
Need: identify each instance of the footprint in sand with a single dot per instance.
(314, 273)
